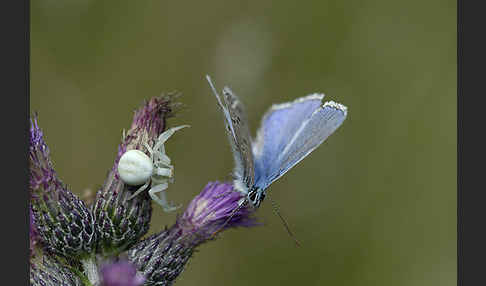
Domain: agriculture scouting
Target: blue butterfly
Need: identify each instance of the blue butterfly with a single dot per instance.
(289, 132)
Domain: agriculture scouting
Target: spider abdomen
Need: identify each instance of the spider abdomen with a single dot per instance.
(135, 168)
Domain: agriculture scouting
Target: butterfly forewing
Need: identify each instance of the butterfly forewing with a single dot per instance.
(279, 124)
(313, 131)
(241, 134)
(290, 132)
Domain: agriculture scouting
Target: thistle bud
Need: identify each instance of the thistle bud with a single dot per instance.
(122, 220)
(62, 222)
(162, 257)
(49, 271)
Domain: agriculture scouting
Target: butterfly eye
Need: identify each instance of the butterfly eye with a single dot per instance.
(252, 196)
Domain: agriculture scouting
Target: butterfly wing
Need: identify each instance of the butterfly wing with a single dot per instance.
(290, 132)
(238, 134)
(279, 124)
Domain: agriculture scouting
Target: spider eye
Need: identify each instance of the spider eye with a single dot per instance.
(135, 168)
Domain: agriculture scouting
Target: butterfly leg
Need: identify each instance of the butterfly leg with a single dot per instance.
(223, 194)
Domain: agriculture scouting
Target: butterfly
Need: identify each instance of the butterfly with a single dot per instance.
(288, 133)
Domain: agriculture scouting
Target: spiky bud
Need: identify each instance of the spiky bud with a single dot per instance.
(62, 221)
(122, 221)
(162, 257)
(49, 271)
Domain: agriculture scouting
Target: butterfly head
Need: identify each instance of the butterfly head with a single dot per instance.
(255, 196)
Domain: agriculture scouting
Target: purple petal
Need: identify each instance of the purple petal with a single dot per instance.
(122, 273)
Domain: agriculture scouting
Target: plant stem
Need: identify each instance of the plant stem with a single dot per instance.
(91, 270)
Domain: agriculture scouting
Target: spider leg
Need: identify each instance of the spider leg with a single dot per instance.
(162, 174)
(166, 135)
(141, 189)
(150, 151)
(163, 160)
(160, 158)
(158, 194)
(166, 172)
(159, 148)
(171, 178)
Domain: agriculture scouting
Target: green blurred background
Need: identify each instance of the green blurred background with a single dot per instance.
(374, 205)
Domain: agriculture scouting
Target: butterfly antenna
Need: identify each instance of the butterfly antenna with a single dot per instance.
(228, 220)
(214, 90)
(275, 210)
(222, 106)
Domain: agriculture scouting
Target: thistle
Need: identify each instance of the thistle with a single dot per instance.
(72, 244)
(63, 223)
(162, 257)
(122, 221)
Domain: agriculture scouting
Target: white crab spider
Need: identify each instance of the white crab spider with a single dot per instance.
(136, 168)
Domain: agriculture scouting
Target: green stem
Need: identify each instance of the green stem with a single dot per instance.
(91, 270)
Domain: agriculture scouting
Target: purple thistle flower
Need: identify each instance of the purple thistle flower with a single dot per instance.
(61, 220)
(122, 222)
(41, 169)
(162, 257)
(210, 210)
(121, 273)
